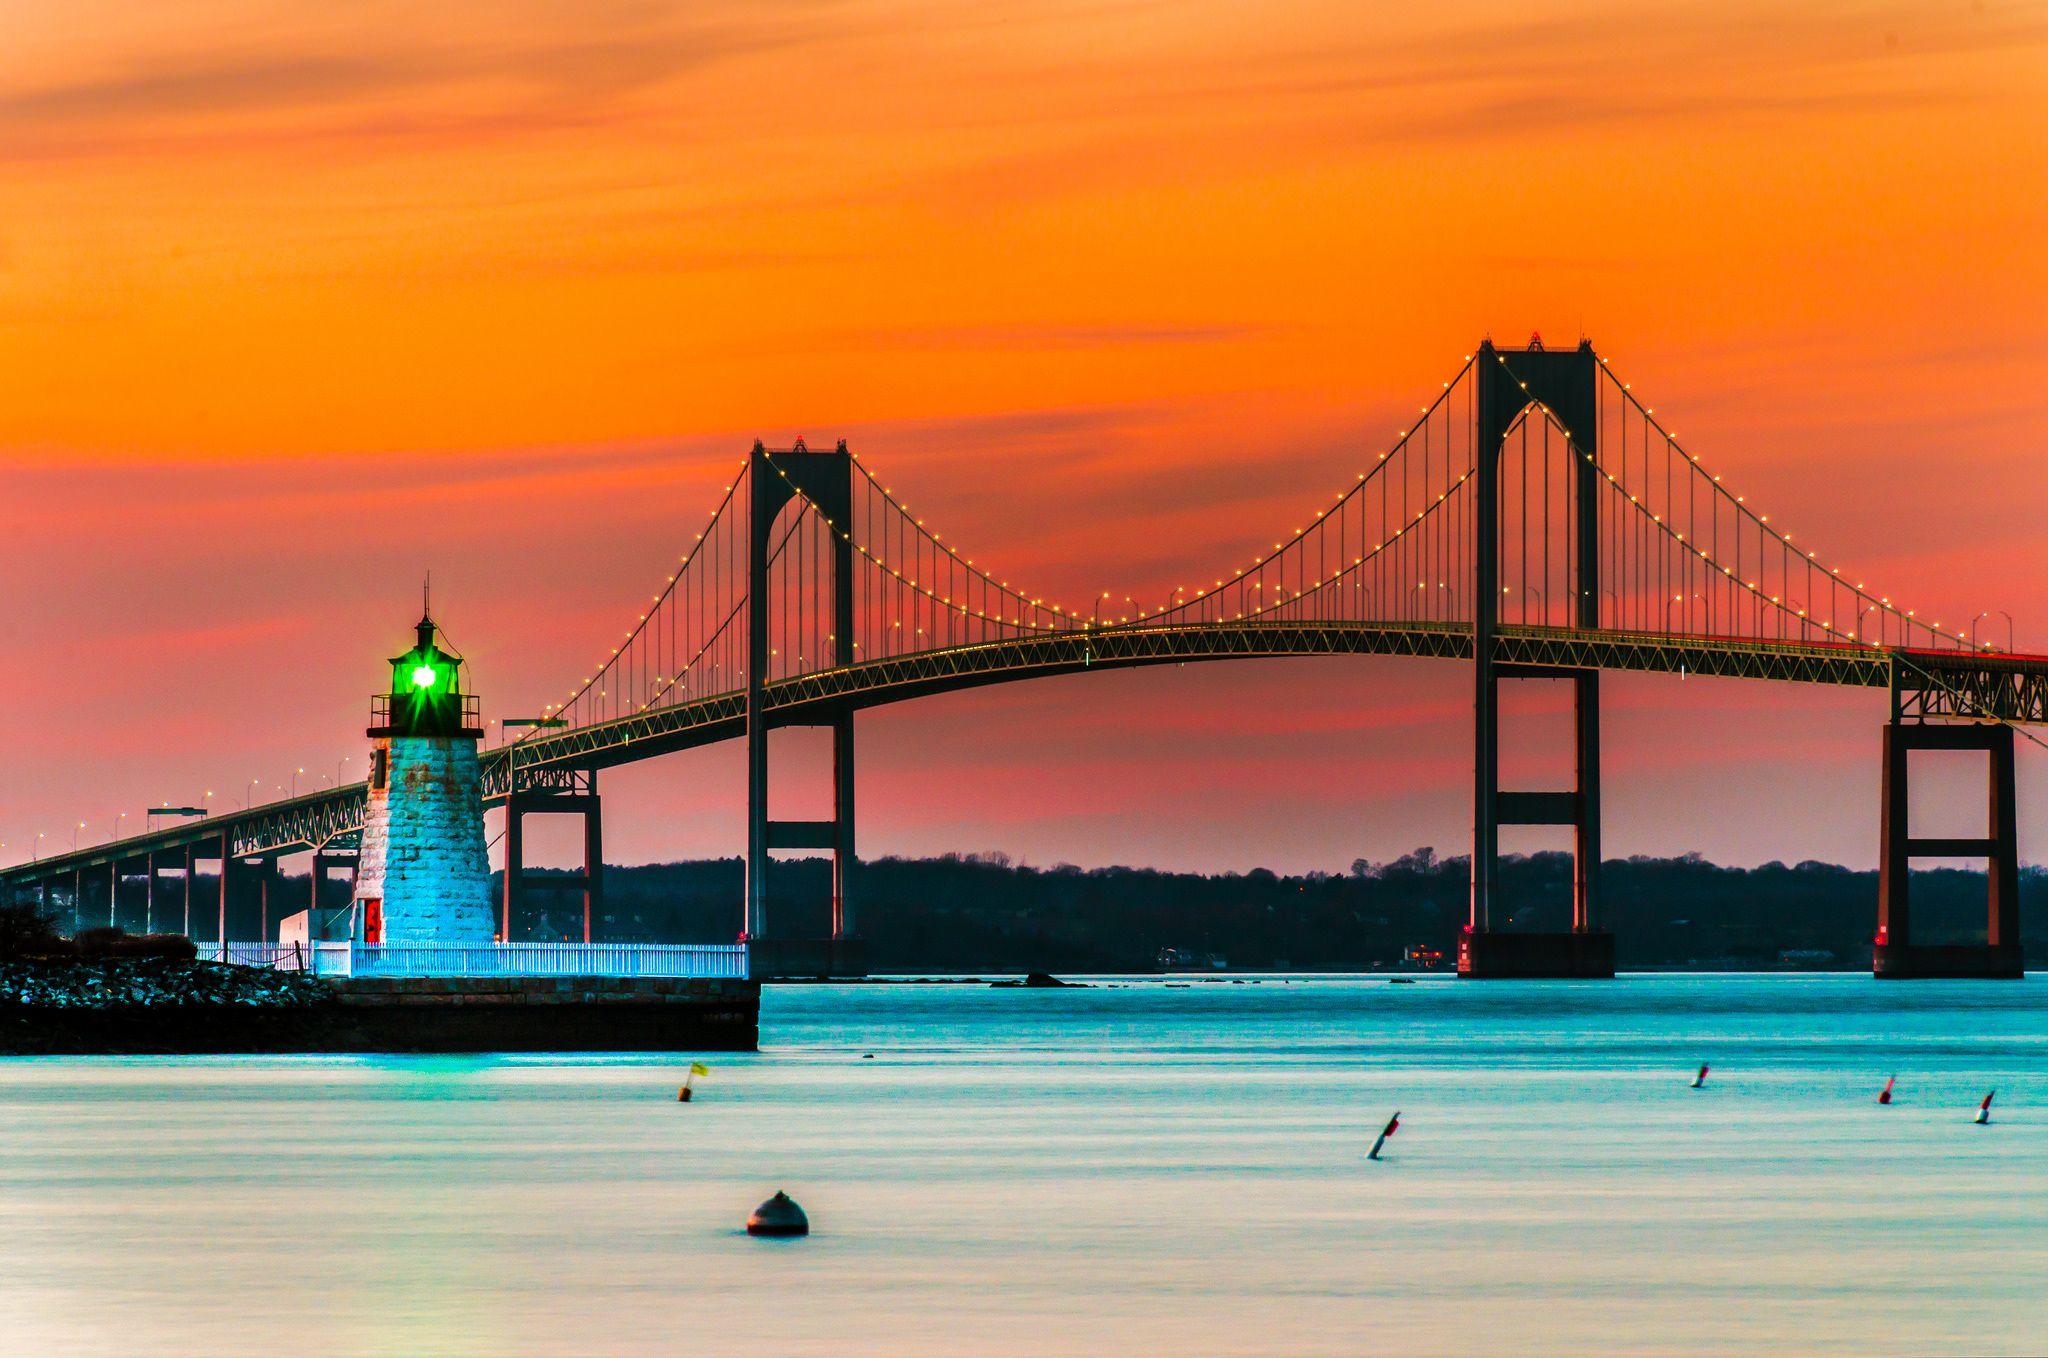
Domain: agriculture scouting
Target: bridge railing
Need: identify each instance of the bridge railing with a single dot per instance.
(727, 961)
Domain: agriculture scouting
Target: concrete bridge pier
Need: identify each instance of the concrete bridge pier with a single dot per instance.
(1895, 953)
(1485, 948)
(223, 886)
(577, 797)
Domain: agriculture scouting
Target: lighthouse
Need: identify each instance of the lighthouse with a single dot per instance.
(423, 877)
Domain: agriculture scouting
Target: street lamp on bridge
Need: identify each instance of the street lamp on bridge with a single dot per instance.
(1989, 612)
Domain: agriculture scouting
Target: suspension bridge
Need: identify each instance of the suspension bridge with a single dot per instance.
(1536, 519)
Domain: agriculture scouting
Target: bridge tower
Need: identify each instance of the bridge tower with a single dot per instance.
(1567, 383)
(422, 876)
(1917, 703)
(775, 479)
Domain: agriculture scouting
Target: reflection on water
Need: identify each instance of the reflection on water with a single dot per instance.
(1116, 1171)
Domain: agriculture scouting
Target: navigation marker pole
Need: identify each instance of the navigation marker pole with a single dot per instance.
(685, 1094)
(1984, 1110)
(1393, 1125)
(1885, 1095)
(1699, 1079)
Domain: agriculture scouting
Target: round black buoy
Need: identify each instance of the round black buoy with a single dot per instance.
(779, 1216)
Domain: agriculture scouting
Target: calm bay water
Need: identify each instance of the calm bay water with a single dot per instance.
(1123, 1171)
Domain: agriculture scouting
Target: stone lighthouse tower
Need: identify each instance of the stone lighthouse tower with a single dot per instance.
(423, 876)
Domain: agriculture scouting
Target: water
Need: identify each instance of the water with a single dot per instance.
(1105, 1171)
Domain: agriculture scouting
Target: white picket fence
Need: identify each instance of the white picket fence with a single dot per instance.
(692, 960)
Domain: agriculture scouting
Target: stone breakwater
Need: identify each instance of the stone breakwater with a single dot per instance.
(155, 982)
(162, 1006)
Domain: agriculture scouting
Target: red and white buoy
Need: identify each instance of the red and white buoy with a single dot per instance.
(1885, 1095)
(1393, 1125)
(1699, 1079)
(1984, 1110)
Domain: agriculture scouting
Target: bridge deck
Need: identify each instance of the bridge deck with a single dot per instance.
(1957, 684)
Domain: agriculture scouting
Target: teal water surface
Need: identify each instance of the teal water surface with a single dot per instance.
(1135, 1168)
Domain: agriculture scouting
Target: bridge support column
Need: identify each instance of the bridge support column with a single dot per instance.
(149, 892)
(843, 921)
(844, 953)
(1586, 950)
(188, 890)
(266, 869)
(1895, 954)
(826, 481)
(573, 793)
(593, 860)
(227, 874)
(512, 889)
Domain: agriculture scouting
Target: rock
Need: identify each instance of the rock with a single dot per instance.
(779, 1216)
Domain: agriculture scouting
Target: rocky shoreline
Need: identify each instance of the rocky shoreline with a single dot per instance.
(160, 1005)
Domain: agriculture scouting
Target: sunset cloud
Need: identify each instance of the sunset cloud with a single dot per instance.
(298, 302)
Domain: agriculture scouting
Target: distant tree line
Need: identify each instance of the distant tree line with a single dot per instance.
(973, 912)
(985, 912)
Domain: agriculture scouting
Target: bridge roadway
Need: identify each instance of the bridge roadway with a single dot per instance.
(1954, 684)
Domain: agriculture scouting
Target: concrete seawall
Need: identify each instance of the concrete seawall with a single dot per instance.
(551, 1013)
(396, 1014)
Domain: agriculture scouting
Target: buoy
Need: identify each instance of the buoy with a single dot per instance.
(1984, 1110)
(867, 1056)
(1885, 1094)
(1699, 1079)
(1393, 1125)
(779, 1216)
(685, 1094)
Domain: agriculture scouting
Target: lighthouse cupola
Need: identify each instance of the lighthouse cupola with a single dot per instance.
(426, 697)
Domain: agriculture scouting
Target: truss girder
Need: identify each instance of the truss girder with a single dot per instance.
(1929, 684)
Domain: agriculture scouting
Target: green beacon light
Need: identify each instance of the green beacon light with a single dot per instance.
(426, 697)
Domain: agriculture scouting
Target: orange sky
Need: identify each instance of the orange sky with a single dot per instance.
(297, 301)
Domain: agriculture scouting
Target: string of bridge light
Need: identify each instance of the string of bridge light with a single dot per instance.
(946, 601)
(577, 694)
(1260, 562)
(665, 683)
(1907, 618)
(1360, 562)
(889, 498)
